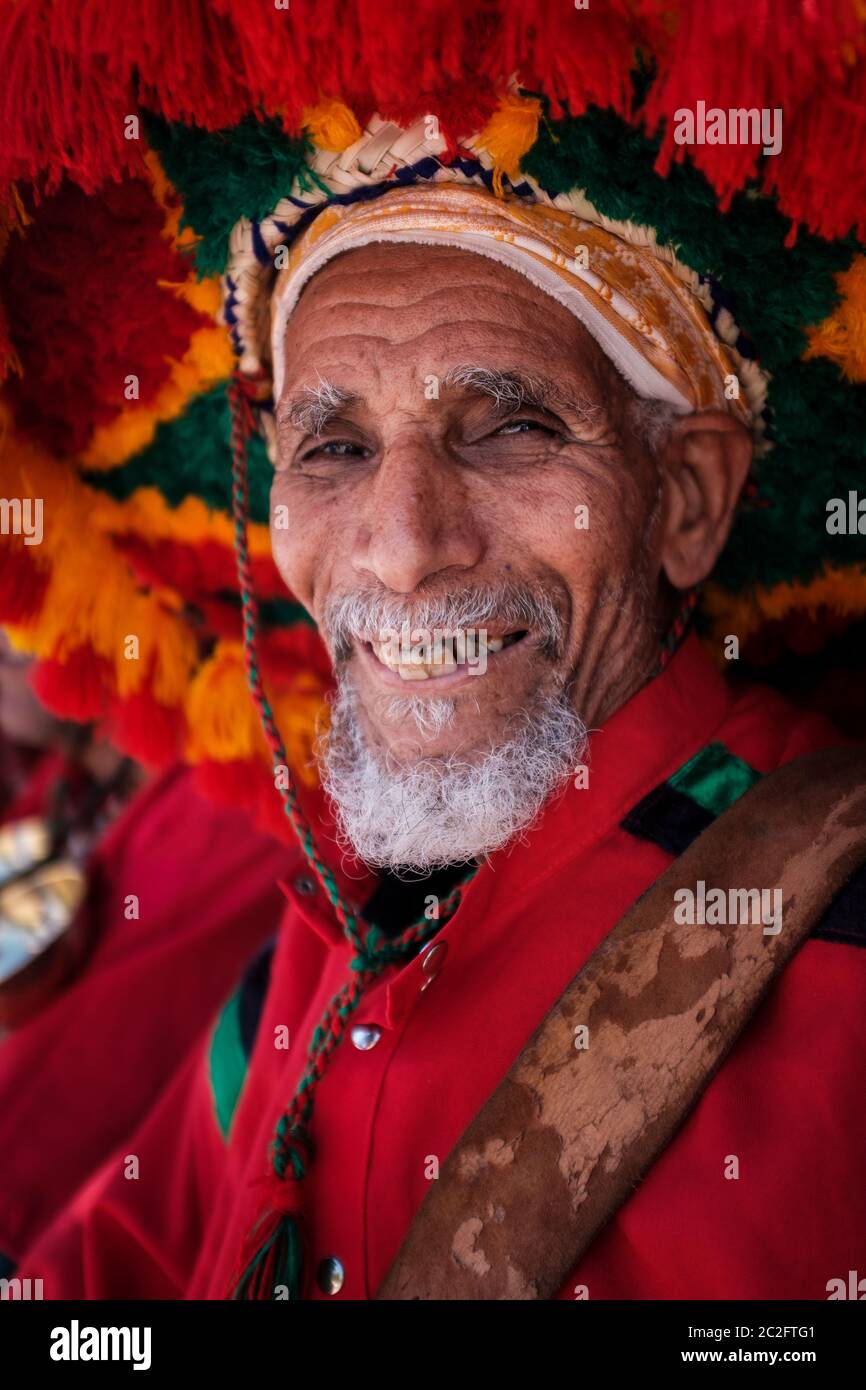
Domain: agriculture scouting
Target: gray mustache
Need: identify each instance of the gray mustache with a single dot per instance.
(356, 616)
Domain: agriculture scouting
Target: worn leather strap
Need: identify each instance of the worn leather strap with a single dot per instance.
(565, 1137)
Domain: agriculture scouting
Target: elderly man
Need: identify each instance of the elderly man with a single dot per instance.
(502, 466)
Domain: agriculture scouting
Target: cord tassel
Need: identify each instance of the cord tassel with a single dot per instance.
(274, 1254)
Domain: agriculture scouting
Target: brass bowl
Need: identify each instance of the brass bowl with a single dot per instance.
(40, 930)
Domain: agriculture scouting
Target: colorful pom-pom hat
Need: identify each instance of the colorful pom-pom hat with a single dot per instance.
(152, 163)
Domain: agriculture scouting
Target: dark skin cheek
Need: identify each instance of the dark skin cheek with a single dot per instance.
(537, 519)
(302, 551)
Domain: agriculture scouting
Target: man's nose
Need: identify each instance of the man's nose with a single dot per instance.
(416, 520)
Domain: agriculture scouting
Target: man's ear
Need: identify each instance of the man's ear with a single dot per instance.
(705, 461)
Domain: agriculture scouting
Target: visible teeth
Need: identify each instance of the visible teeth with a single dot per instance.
(425, 665)
(445, 665)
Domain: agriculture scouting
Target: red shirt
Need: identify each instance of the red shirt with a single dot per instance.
(787, 1102)
(79, 1077)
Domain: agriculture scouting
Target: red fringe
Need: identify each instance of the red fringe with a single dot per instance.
(772, 53)
(152, 733)
(74, 688)
(196, 570)
(61, 110)
(23, 582)
(820, 176)
(577, 58)
(82, 287)
(72, 72)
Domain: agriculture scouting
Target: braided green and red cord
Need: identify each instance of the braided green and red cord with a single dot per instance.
(272, 1258)
(678, 629)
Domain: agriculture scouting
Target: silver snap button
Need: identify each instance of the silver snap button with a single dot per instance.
(330, 1275)
(305, 885)
(432, 961)
(365, 1035)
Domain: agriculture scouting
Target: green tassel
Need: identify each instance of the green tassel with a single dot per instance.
(191, 456)
(276, 1269)
(222, 175)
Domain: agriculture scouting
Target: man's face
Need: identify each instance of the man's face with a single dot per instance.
(453, 444)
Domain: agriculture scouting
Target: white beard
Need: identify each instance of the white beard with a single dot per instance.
(445, 810)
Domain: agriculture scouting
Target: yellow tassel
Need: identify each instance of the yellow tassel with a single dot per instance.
(509, 135)
(224, 724)
(301, 715)
(843, 591)
(222, 719)
(165, 195)
(331, 125)
(147, 514)
(92, 597)
(842, 336)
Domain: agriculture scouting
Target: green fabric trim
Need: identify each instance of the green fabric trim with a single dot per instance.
(227, 1065)
(281, 612)
(819, 453)
(222, 175)
(191, 456)
(714, 778)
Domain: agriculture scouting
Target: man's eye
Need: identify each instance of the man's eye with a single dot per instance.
(523, 427)
(336, 448)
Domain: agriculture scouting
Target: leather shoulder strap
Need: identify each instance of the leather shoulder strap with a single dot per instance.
(568, 1133)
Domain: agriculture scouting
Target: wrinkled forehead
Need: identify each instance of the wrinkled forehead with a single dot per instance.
(426, 309)
(599, 280)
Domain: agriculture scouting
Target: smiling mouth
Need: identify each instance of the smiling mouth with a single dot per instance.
(446, 656)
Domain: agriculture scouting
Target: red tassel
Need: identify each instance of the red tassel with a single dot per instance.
(23, 582)
(83, 286)
(183, 53)
(72, 73)
(272, 1253)
(146, 730)
(576, 57)
(61, 110)
(773, 53)
(820, 176)
(74, 688)
(196, 570)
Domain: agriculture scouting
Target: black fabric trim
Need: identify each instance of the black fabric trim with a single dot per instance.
(251, 996)
(668, 818)
(845, 919)
(395, 903)
(673, 821)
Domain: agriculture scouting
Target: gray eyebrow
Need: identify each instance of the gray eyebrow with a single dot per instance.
(512, 391)
(315, 407)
